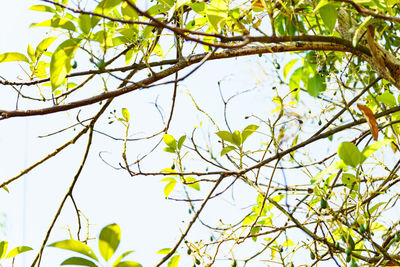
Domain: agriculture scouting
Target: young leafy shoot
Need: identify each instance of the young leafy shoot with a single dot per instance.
(109, 240)
(236, 138)
(170, 141)
(12, 253)
(125, 114)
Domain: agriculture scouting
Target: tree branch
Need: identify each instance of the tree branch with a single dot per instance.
(186, 62)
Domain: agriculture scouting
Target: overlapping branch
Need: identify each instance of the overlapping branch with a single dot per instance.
(328, 45)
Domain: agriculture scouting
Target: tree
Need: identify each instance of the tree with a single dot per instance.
(316, 175)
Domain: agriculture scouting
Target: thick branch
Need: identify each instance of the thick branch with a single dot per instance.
(184, 63)
(252, 39)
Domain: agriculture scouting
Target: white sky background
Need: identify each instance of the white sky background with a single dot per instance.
(148, 222)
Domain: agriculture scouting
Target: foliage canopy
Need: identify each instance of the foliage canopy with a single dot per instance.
(336, 88)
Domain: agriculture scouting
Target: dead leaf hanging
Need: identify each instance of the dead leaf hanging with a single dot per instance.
(369, 116)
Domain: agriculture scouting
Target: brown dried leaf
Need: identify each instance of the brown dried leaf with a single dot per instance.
(369, 116)
(258, 3)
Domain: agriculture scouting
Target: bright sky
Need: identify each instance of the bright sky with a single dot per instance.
(104, 195)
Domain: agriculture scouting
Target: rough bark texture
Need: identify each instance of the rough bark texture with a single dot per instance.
(382, 61)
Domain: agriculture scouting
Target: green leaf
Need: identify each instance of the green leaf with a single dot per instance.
(225, 135)
(13, 56)
(376, 226)
(157, 9)
(329, 16)
(215, 21)
(387, 98)
(376, 3)
(227, 149)
(198, 7)
(288, 243)
(71, 85)
(327, 182)
(170, 141)
(250, 129)
(235, 13)
(348, 239)
(294, 82)
(6, 189)
(130, 34)
(278, 198)
(169, 150)
(31, 52)
(267, 221)
(375, 207)
(128, 12)
(18, 250)
(128, 264)
(3, 248)
(173, 262)
(109, 239)
(321, 4)
(217, 13)
(123, 255)
(94, 20)
(181, 141)
(249, 219)
(196, 23)
(315, 85)
(260, 200)
(100, 64)
(119, 40)
(44, 44)
(334, 166)
(295, 140)
(164, 251)
(195, 186)
(85, 23)
(129, 56)
(125, 114)
(42, 8)
(106, 6)
(349, 153)
(76, 246)
(55, 22)
(169, 187)
(350, 181)
(79, 261)
(158, 50)
(60, 64)
(254, 231)
(369, 150)
(237, 138)
(288, 67)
